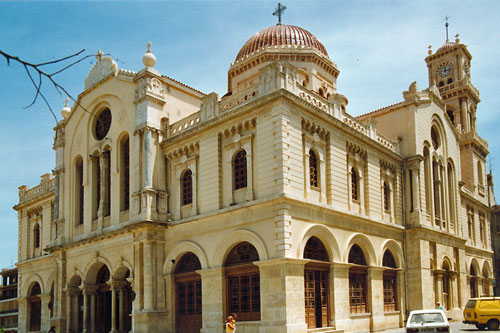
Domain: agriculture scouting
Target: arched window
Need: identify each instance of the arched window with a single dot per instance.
(125, 174)
(243, 282)
(240, 169)
(390, 282)
(315, 250)
(313, 169)
(354, 185)
(35, 308)
(188, 293)
(187, 187)
(79, 191)
(357, 280)
(107, 189)
(441, 83)
(480, 173)
(387, 198)
(472, 282)
(434, 138)
(451, 195)
(446, 286)
(36, 234)
(96, 188)
(450, 80)
(321, 92)
(451, 116)
(428, 181)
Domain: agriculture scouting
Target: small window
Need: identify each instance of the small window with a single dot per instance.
(240, 169)
(450, 80)
(451, 116)
(387, 199)
(321, 92)
(37, 236)
(103, 123)
(313, 169)
(441, 83)
(354, 185)
(187, 187)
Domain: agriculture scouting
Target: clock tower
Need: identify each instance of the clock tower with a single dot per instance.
(449, 70)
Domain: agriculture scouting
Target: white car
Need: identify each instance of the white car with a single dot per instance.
(427, 321)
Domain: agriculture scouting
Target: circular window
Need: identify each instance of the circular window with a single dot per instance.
(103, 124)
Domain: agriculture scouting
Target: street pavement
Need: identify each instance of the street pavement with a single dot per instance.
(456, 327)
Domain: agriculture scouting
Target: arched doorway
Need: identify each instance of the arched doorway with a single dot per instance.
(447, 296)
(390, 282)
(35, 307)
(243, 282)
(316, 283)
(358, 276)
(188, 294)
(103, 301)
(472, 282)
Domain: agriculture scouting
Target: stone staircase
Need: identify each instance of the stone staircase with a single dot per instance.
(324, 330)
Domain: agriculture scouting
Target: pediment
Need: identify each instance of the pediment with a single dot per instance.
(104, 67)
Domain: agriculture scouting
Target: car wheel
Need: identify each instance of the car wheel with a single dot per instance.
(480, 326)
(493, 325)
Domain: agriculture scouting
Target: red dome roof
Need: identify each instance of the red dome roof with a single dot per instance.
(280, 35)
(446, 46)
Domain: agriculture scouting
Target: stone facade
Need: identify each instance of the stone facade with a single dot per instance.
(168, 207)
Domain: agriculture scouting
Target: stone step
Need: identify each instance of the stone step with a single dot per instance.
(324, 330)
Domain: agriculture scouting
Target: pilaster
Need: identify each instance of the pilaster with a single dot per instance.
(282, 296)
(376, 298)
(212, 285)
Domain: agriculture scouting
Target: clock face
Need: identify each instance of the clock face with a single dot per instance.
(445, 71)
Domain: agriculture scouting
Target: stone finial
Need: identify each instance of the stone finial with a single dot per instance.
(65, 110)
(149, 59)
(457, 39)
(99, 55)
(430, 49)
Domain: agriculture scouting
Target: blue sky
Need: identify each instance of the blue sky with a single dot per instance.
(379, 47)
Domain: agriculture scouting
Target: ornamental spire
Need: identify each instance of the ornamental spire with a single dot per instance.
(278, 12)
(446, 26)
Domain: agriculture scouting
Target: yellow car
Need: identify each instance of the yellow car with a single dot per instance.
(483, 312)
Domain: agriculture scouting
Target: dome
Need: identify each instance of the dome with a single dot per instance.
(280, 35)
(446, 46)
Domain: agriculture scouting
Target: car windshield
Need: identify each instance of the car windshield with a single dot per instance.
(424, 318)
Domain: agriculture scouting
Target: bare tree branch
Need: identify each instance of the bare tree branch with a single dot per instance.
(42, 74)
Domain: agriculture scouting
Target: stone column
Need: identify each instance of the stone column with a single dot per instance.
(375, 298)
(212, 286)
(340, 273)
(85, 311)
(113, 309)
(122, 310)
(72, 312)
(148, 158)
(464, 118)
(479, 286)
(416, 194)
(105, 187)
(92, 310)
(282, 296)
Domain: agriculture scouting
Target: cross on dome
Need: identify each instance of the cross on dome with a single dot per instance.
(278, 12)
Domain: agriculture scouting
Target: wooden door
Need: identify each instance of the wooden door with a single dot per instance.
(188, 305)
(316, 298)
(310, 298)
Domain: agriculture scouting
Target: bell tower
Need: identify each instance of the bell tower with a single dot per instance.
(449, 70)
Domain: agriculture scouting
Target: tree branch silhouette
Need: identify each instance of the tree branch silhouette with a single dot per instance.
(36, 70)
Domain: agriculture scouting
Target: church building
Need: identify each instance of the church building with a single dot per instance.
(169, 209)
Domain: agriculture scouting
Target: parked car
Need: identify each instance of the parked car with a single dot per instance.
(428, 321)
(483, 312)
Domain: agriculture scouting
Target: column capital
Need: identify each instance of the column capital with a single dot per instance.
(89, 288)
